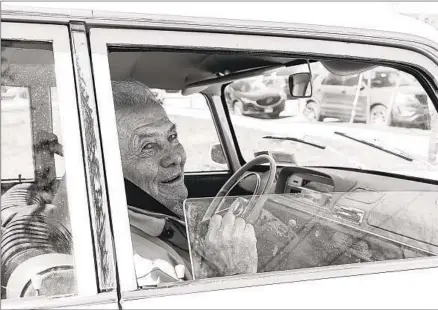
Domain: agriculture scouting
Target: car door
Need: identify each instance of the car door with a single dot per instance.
(335, 102)
(264, 289)
(51, 263)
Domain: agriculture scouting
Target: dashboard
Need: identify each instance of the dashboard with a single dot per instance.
(331, 216)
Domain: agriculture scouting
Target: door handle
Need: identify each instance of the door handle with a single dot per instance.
(343, 92)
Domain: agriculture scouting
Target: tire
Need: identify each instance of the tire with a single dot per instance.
(274, 115)
(312, 111)
(238, 107)
(378, 115)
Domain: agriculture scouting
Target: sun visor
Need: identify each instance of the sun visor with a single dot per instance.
(342, 67)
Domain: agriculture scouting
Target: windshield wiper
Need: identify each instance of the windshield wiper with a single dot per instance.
(319, 146)
(386, 150)
(296, 140)
(396, 152)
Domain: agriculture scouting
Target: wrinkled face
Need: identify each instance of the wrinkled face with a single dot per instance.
(152, 157)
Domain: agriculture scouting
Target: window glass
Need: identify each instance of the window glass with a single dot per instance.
(351, 80)
(56, 123)
(16, 118)
(393, 115)
(313, 229)
(332, 79)
(36, 244)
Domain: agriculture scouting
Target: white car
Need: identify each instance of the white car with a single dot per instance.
(345, 215)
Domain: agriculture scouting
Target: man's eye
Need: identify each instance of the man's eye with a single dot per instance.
(173, 137)
(148, 146)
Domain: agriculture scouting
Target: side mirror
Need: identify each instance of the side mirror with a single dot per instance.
(217, 154)
(300, 85)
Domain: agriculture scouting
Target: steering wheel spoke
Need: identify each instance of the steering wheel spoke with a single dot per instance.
(252, 209)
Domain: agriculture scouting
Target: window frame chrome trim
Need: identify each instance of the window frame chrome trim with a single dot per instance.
(113, 165)
(58, 36)
(96, 186)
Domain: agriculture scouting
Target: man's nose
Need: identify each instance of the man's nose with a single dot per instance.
(172, 158)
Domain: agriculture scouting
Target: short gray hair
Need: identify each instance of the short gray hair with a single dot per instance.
(132, 93)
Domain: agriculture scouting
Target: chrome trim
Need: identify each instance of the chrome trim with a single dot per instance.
(58, 36)
(113, 165)
(97, 193)
(282, 277)
(213, 172)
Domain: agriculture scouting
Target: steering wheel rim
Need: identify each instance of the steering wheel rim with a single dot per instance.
(238, 176)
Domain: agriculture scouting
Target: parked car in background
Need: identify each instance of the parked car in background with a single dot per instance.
(333, 97)
(265, 96)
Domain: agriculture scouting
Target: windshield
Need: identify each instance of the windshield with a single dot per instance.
(384, 127)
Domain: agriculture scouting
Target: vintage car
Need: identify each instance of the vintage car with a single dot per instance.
(345, 215)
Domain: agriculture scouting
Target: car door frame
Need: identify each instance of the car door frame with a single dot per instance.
(101, 38)
(58, 37)
(90, 230)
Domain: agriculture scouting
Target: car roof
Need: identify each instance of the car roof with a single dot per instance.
(364, 16)
(218, 17)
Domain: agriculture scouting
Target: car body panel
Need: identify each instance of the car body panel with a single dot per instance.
(349, 283)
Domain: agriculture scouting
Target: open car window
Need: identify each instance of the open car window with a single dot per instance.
(314, 229)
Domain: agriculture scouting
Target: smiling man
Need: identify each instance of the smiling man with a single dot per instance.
(153, 166)
(152, 157)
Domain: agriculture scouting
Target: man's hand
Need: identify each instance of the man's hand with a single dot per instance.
(230, 245)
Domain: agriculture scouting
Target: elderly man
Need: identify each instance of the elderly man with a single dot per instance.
(153, 166)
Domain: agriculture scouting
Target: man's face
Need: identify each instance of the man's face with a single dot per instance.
(152, 157)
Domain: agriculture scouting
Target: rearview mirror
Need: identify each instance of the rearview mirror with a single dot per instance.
(300, 85)
(217, 154)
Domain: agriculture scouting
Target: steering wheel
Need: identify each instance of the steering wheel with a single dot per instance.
(252, 211)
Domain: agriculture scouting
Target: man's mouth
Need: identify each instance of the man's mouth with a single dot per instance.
(173, 179)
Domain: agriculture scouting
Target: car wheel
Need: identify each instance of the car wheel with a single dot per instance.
(378, 114)
(238, 107)
(274, 115)
(312, 111)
